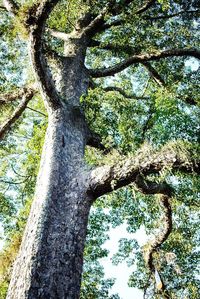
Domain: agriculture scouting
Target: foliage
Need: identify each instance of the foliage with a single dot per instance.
(155, 117)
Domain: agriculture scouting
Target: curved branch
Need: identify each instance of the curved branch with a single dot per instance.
(107, 178)
(123, 93)
(37, 28)
(99, 24)
(7, 125)
(148, 187)
(159, 239)
(3, 7)
(110, 71)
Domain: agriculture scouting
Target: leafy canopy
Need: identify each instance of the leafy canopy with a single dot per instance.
(159, 106)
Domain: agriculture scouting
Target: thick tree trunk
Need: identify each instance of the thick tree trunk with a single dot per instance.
(50, 261)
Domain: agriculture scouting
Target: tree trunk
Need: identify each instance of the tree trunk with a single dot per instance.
(50, 260)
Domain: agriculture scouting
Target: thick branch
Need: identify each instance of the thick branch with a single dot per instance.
(58, 34)
(99, 24)
(6, 126)
(110, 71)
(149, 187)
(112, 24)
(108, 178)
(37, 27)
(96, 24)
(11, 6)
(14, 96)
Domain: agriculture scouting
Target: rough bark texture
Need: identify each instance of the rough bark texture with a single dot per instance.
(49, 264)
(51, 255)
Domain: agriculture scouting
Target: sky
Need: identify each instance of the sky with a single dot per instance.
(122, 271)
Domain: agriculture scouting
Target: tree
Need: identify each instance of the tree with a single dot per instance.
(74, 46)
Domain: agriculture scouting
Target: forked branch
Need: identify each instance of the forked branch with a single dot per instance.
(153, 246)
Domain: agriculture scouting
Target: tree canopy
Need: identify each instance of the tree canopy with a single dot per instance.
(142, 107)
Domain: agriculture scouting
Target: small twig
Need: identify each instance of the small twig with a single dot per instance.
(36, 111)
(15, 183)
(24, 176)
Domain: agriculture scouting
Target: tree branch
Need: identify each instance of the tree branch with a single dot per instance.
(34, 110)
(164, 17)
(58, 34)
(107, 178)
(159, 239)
(96, 24)
(148, 123)
(154, 74)
(146, 6)
(123, 93)
(149, 187)
(11, 6)
(6, 126)
(110, 71)
(112, 24)
(3, 7)
(37, 28)
(94, 140)
(115, 10)
(15, 95)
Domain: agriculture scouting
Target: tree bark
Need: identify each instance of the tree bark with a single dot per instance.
(50, 260)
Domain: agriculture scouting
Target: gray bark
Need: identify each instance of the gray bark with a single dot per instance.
(49, 264)
(50, 261)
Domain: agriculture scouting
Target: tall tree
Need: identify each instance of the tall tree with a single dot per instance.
(74, 47)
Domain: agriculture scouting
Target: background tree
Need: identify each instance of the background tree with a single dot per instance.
(121, 95)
